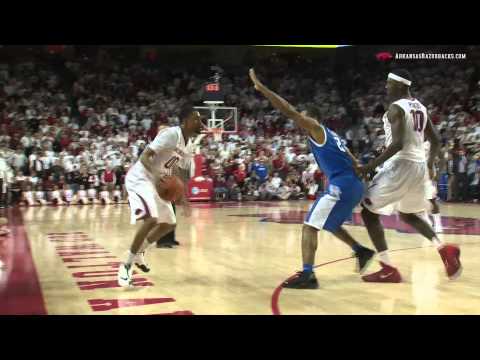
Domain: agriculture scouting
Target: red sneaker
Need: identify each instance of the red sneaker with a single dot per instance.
(451, 259)
(388, 274)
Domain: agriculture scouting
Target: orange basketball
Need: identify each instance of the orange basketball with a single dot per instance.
(171, 188)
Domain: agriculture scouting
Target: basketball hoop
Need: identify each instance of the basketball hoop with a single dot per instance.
(217, 134)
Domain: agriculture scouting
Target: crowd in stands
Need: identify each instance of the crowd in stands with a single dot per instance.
(71, 139)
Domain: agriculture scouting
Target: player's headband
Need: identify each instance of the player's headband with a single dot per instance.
(400, 79)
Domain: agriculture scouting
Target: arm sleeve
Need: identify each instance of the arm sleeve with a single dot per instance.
(165, 140)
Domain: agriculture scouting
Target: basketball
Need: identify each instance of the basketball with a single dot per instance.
(171, 188)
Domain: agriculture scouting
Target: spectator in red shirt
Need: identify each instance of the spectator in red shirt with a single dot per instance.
(280, 165)
(240, 174)
(109, 178)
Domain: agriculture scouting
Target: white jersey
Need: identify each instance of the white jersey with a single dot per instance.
(415, 122)
(68, 195)
(170, 151)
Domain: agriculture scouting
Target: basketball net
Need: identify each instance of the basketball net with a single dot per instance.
(217, 134)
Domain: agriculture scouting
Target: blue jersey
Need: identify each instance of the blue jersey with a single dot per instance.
(345, 189)
(332, 157)
(261, 171)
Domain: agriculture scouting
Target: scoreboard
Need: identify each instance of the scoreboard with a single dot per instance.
(213, 92)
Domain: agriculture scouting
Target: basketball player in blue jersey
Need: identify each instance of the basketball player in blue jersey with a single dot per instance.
(345, 189)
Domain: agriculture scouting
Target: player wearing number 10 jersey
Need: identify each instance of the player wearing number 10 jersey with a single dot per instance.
(400, 185)
(345, 189)
(170, 148)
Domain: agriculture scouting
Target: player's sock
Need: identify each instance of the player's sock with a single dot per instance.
(383, 256)
(307, 268)
(131, 257)
(437, 242)
(437, 218)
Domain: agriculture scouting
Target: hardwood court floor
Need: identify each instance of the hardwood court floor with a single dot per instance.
(232, 259)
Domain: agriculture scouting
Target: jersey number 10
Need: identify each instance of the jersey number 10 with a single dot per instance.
(418, 120)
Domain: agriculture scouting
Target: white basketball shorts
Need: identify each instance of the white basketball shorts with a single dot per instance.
(145, 202)
(398, 186)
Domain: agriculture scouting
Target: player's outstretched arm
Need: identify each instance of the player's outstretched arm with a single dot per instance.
(309, 124)
(396, 117)
(432, 136)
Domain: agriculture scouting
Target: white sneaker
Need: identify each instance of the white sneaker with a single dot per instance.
(141, 263)
(124, 275)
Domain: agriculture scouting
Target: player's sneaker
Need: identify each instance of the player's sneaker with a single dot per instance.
(364, 259)
(451, 259)
(304, 280)
(141, 263)
(388, 274)
(125, 274)
(175, 243)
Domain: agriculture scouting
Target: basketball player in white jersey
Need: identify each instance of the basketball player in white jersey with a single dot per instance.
(159, 159)
(400, 183)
